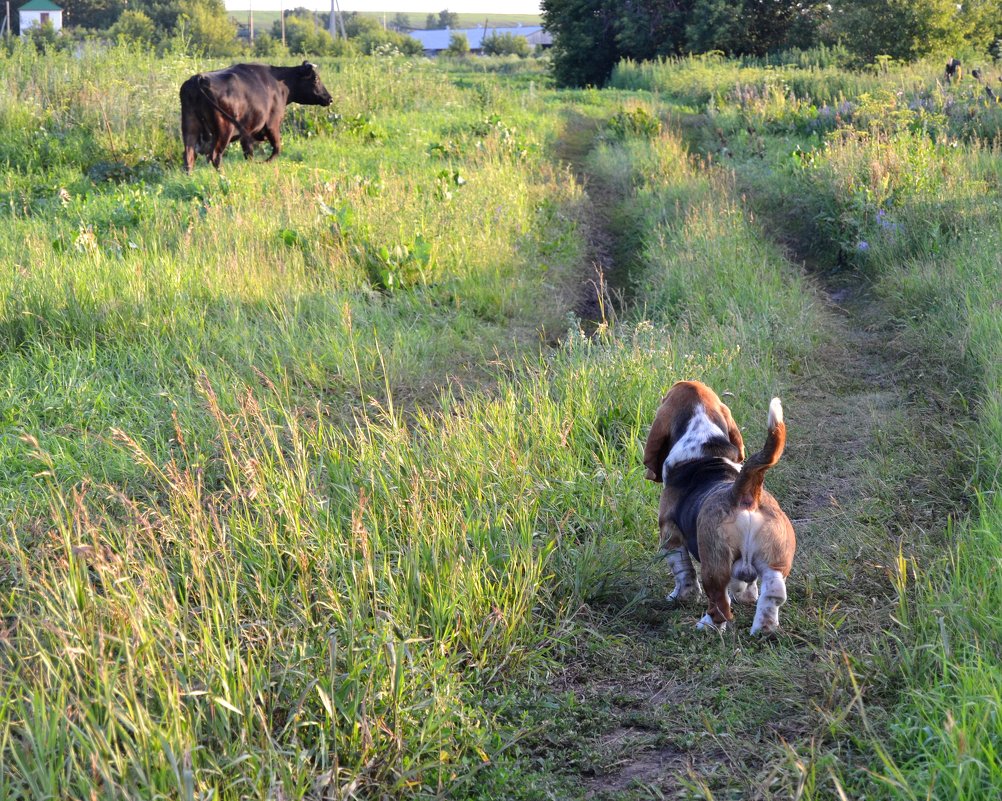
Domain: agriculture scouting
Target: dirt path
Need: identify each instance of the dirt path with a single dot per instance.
(650, 708)
(605, 284)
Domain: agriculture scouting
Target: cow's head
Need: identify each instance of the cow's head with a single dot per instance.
(307, 88)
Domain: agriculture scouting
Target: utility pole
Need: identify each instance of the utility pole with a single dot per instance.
(340, 20)
(250, 12)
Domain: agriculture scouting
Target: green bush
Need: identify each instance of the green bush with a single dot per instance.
(267, 46)
(506, 44)
(459, 45)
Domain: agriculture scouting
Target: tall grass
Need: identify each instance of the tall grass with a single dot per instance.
(388, 246)
(254, 543)
(293, 502)
(903, 190)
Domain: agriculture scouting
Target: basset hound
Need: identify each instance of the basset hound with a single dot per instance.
(714, 507)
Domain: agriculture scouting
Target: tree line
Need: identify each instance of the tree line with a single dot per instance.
(590, 36)
(206, 26)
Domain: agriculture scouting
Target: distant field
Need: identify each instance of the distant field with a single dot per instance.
(263, 20)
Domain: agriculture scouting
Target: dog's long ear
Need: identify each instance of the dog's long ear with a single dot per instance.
(658, 443)
(732, 432)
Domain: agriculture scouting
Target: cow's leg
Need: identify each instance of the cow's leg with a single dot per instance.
(272, 135)
(224, 134)
(191, 134)
(189, 156)
(247, 144)
(216, 156)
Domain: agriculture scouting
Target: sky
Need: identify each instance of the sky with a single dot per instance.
(421, 7)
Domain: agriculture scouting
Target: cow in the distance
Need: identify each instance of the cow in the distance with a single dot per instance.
(954, 70)
(245, 102)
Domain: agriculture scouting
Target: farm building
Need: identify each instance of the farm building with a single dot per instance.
(437, 41)
(38, 12)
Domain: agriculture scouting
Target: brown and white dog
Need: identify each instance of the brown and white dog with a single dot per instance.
(716, 509)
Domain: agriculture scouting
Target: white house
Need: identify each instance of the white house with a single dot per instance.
(38, 12)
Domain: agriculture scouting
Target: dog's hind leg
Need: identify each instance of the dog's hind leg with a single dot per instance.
(718, 605)
(686, 584)
(743, 592)
(772, 597)
(675, 553)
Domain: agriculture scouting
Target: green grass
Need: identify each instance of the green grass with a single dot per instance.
(900, 190)
(312, 483)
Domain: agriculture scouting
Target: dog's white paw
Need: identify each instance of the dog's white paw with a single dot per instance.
(706, 624)
(764, 628)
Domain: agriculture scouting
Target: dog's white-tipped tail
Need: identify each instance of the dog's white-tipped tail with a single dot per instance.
(747, 490)
(775, 413)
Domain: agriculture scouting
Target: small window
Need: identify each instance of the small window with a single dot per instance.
(45, 17)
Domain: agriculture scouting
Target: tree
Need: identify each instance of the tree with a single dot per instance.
(430, 22)
(134, 26)
(750, 27)
(904, 29)
(448, 19)
(505, 44)
(753, 27)
(715, 25)
(355, 25)
(401, 22)
(584, 39)
(267, 46)
(164, 13)
(459, 45)
(97, 14)
(303, 36)
(647, 29)
(209, 28)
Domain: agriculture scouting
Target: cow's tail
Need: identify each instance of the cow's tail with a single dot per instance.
(747, 490)
(204, 88)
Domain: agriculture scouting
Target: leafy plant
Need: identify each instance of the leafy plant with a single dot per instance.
(396, 267)
(635, 122)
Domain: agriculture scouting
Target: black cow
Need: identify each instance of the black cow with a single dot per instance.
(245, 102)
(954, 70)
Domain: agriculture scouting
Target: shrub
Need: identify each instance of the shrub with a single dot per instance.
(635, 122)
(42, 36)
(459, 45)
(266, 45)
(506, 44)
(388, 43)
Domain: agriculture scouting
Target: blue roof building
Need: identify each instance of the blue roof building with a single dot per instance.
(435, 41)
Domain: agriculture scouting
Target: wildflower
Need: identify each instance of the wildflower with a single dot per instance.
(86, 240)
(862, 246)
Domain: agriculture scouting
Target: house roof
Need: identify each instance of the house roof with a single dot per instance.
(439, 39)
(40, 5)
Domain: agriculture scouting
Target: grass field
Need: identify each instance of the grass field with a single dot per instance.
(320, 478)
